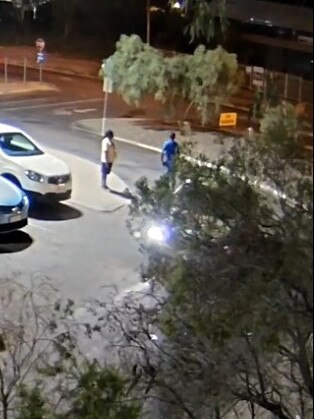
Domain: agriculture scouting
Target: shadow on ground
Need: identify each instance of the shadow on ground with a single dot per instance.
(125, 194)
(15, 242)
(54, 212)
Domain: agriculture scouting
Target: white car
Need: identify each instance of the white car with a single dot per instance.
(24, 163)
(14, 207)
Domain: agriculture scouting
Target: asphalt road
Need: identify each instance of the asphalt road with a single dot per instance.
(48, 117)
(81, 251)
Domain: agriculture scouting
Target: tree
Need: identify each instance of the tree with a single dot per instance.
(135, 68)
(44, 370)
(95, 393)
(25, 5)
(203, 15)
(213, 76)
(235, 318)
(64, 12)
(204, 79)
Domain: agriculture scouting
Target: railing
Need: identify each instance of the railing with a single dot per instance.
(288, 86)
(20, 70)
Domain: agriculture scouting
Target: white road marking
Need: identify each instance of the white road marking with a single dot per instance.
(36, 100)
(49, 105)
(65, 78)
(139, 145)
(84, 110)
(62, 112)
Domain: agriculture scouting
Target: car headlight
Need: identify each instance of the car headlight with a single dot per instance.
(35, 177)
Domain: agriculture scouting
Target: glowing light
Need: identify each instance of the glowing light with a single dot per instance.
(156, 233)
(177, 5)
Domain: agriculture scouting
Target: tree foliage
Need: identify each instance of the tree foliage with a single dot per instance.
(204, 79)
(44, 370)
(237, 321)
(203, 16)
(213, 76)
(135, 68)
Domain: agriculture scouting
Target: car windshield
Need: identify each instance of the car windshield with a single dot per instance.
(17, 145)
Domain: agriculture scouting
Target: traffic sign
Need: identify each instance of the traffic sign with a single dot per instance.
(40, 58)
(258, 76)
(228, 119)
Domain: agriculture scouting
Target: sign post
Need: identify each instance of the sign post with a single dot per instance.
(258, 76)
(107, 89)
(40, 56)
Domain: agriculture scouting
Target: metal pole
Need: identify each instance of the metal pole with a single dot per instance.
(40, 73)
(265, 79)
(251, 78)
(285, 94)
(104, 115)
(24, 69)
(300, 89)
(148, 22)
(5, 70)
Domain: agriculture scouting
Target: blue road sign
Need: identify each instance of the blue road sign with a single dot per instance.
(40, 58)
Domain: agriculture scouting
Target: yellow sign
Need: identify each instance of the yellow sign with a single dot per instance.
(228, 119)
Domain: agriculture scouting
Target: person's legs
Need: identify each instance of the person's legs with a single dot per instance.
(104, 173)
(171, 173)
(109, 167)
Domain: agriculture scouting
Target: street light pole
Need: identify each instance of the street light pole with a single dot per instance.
(148, 22)
(104, 114)
(107, 88)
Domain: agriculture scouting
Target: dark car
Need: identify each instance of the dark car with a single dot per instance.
(14, 207)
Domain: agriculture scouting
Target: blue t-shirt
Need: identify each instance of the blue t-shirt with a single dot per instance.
(170, 149)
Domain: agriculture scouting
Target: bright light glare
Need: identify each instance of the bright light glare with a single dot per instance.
(153, 337)
(156, 233)
(177, 5)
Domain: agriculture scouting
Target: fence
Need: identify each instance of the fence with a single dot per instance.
(20, 70)
(288, 86)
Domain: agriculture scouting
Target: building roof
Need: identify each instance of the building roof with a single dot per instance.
(271, 14)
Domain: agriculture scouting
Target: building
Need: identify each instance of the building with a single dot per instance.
(275, 35)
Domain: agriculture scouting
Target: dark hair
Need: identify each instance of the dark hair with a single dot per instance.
(172, 135)
(109, 134)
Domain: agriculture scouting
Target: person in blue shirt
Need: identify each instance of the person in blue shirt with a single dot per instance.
(170, 151)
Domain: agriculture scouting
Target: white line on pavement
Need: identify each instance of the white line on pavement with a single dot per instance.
(84, 110)
(48, 105)
(139, 145)
(76, 126)
(20, 101)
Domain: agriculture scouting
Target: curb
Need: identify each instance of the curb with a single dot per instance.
(114, 200)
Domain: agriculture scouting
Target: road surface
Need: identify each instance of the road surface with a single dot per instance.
(79, 249)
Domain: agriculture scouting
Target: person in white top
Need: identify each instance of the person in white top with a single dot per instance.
(108, 156)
